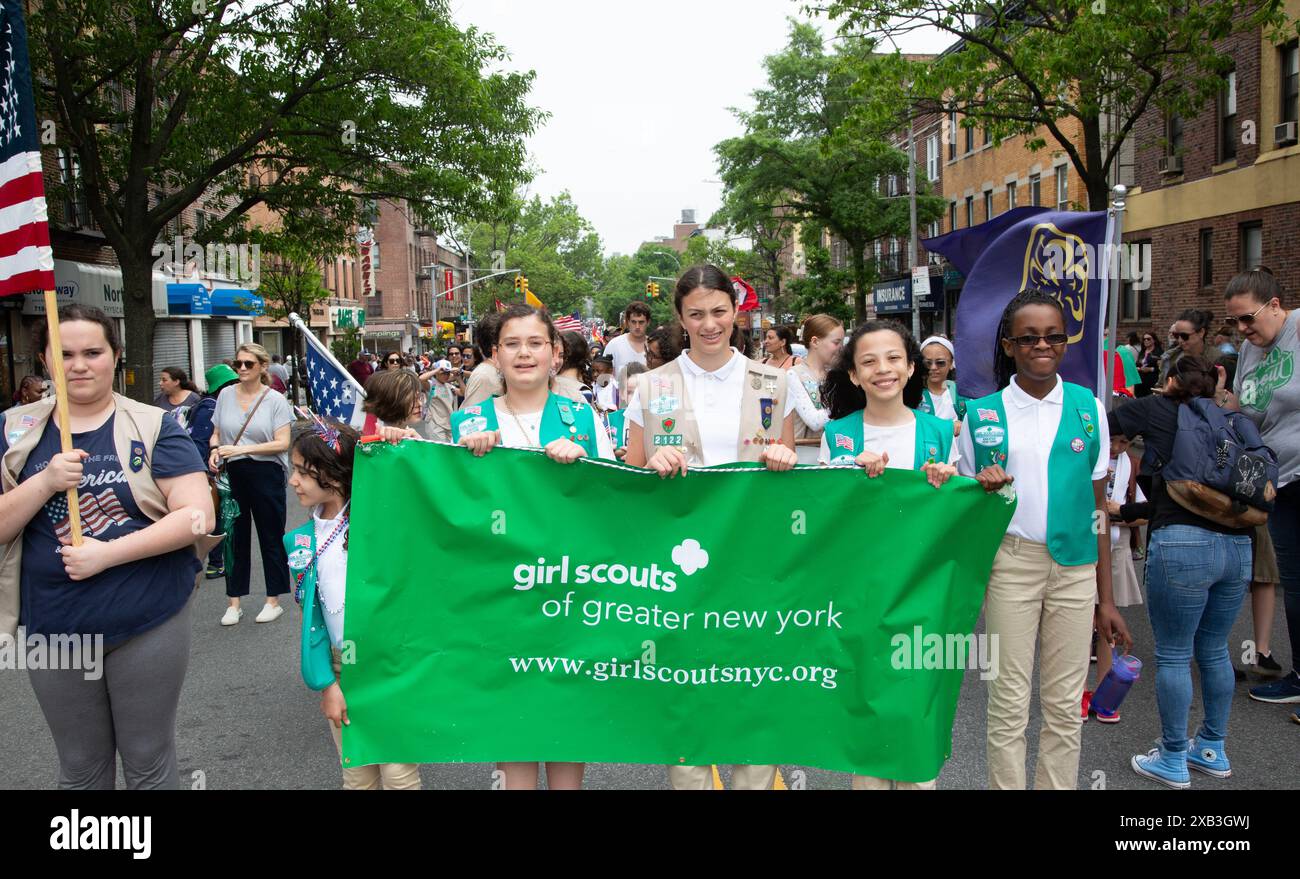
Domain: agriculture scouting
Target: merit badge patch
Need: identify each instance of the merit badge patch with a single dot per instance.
(765, 406)
(1076, 444)
(989, 436)
(755, 382)
(664, 404)
(299, 558)
(137, 456)
(669, 424)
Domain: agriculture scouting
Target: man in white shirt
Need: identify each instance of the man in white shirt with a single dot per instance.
(630, 347)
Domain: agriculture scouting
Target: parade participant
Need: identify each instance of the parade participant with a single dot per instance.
(529, 415)
(573, 371)
(30, 389)
(1148, 363)
(394, 405)
(1197, 571)
(323, 453)
(939, 396)
(129, 581)
(456, 358)
(361, 368)
(617, 419)
(1192, 333)
(485, 380)
(710, 406)
(872, 425)
(1047, 436)
(1127, 508)
(251, 441)
(1267, 391)
(663, 344)
(823, 336)
(631, 346)
(777, 343)
(605, 383)
(178, 392)
(439, 402)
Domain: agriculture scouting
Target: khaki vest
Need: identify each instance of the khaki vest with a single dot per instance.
(669, 417)
(813, 387)
(132, 421)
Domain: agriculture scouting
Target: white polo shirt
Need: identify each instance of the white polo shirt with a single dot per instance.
(1031, 428)
(716, 398)
(621, 350)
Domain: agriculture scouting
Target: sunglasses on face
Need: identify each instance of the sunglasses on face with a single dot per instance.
(1056, 340)
(1181, 337)
(934, 364)
(393, 360)
(1245, 320)
(245, 364)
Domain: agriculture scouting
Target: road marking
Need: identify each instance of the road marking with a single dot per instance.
(778, 783)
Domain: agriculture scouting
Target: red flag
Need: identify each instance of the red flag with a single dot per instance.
(746, 298)
(448, 281)
(499, 305)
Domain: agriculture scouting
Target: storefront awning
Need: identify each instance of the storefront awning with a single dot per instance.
(234, 302)
(189, 299)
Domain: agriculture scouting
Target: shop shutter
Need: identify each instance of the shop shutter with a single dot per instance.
(171, 346)
(218, 341)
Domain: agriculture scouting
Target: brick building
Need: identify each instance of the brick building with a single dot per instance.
(1219, 192)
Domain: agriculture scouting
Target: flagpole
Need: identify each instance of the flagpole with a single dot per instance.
(1114, 266)
(297, 323)
(61, 404)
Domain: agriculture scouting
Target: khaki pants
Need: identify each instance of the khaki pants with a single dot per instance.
(870, 782)
(701, 777)
(1034, 601)
(378, 776)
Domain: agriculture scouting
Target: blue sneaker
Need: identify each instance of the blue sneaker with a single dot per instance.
(1208, 756)
(1167, 767)
(1285, 689)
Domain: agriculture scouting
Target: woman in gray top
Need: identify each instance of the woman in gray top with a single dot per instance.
(256, 462)
(1267, 391)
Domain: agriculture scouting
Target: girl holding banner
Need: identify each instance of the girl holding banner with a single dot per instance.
(823, 336)
(1046, 436)
(529, 415)
(710, 406)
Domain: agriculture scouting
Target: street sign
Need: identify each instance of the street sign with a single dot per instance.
(921, 284)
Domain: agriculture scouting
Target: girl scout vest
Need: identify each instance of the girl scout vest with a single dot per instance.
(1070, 502)
(618, 428)
(135, 431)
(958, 402)
(317, 663)
(561, 419)
(933, 439)
(813, 387)
(669, 417)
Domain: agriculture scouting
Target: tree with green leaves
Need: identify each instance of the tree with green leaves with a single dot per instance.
(1078, 73)
(291, 284)
(819, 289)
(313, 109)
(806, 156)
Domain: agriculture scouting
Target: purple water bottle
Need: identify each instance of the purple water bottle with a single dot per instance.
(1124, 670)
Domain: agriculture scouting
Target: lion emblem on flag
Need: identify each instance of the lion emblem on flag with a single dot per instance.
(1060, 263)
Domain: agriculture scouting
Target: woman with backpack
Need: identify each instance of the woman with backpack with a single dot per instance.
(1197, 571)
(1267, 391)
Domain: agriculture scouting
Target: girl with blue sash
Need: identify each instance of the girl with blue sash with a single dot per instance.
(1045, 436)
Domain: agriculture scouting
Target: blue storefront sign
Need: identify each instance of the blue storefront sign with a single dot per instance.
(895, 297)
(236, 303)
(188, 299)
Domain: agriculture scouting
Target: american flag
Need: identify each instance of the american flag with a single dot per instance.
(569, 323)
(98, 513)
(843, 442)
(26, 260)
(334, 392)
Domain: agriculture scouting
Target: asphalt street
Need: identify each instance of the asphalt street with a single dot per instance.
(247, 721)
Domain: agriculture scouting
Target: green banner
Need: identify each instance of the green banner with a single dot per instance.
(512, 608)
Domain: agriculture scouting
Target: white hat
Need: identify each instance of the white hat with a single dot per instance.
(939, 340)
(442, 366)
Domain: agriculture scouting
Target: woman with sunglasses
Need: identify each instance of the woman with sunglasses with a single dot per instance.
(1266, 390)
(1148, 360)
(710, 406)
(251, 440)
(1047, 436)
(939, 397)
(1192, 333)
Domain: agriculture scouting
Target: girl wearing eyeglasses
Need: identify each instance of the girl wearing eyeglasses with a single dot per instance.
(939, 396)
(251, 439)
(710, 406)
(1047, 436)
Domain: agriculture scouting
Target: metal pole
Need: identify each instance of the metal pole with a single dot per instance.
(1114, 261)
(911, 209)
(469, 300)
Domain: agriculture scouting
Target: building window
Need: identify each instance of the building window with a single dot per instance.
(1011, 195)
(1062, 188)
(1207, 257)
(1290, 85)
(1252, 246)
(988, 204)
(970, 139)
(952, 135)
(893, 185)
(374, 256)
(952, 216)
(1174, 136)
(1035, 190)
(1228, 118)
(970, 211)
(932, 157)
(985, 136)
(936, 229)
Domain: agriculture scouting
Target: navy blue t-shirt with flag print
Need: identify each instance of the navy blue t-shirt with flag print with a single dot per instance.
(118, 602)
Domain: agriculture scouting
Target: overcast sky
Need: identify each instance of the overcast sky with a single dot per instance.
(638, 95)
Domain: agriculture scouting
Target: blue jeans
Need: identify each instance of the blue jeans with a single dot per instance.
(1284, 528)
(1196, 580)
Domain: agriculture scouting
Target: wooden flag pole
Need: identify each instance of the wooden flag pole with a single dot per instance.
(55, 367)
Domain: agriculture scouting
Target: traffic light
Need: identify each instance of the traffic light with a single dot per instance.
(519, 285)
(654, 289)
(649, 289)
(524, 290)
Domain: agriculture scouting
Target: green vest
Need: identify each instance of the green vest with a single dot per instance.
(958, 401)
(562, 418)
(933, 439)
(316, 658)
(1070, 501)
(618, 428)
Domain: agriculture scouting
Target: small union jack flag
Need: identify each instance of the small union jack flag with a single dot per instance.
(843, 442)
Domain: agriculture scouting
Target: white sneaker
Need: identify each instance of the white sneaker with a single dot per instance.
(270, 613)
(232, 616)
